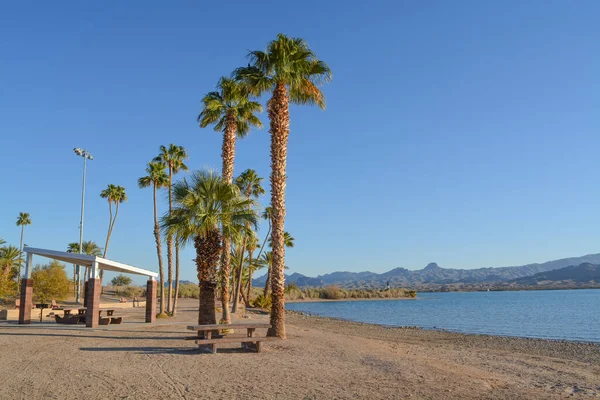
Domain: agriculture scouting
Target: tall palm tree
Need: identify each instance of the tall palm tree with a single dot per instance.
(205, 209)
(173, 158)
(230, 111)
(157, 178)
(288, 241)
(115, 195)
(250, 185)
(22, 220)
(291, 72)
(89, 247)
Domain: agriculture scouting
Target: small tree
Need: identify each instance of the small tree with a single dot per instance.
(50, 282)
(121, 280)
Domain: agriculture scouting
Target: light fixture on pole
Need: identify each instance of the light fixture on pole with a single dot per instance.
(86, 156)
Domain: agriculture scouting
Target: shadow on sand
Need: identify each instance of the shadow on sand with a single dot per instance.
(165, 350)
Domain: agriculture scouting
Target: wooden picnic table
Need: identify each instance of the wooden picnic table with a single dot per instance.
(205, 337)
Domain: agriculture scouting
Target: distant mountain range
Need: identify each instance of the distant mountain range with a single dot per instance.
(433, 274)
(582, 273)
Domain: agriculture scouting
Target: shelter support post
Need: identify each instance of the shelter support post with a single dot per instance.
(94, 286)
(26, 300)
(151, 301)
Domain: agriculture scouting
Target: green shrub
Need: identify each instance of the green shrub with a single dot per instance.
(262, 302)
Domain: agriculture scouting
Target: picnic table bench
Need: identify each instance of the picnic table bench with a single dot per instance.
(81, 312)
(250, 341)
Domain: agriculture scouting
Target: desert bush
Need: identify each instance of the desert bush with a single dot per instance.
(331, 293)
(50, 282)
(189, 291)
(121, 280)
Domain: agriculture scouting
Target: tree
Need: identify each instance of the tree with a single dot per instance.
(230, 111)
(205, 207)
(115, 195)
(288, 242)
(291, 72)
(157, 178)
(10, 261)
(89, 247)
(250, 185)
(173, 158)
(121, 280)
(22, 220)
(50, 282)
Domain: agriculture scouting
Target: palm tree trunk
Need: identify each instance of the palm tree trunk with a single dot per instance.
(170, 242)
(268, 281)
(238, 283)
(110, 223)
(208, 252)
(225, 274)
(161, 270)
(250, 271)
(279, 116)
(228, 155)
(176, 294)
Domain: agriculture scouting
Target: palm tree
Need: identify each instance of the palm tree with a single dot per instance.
(288, 242)
(22, 220)
(230, 111)
(10, 259)
(173, 158)
(289, 70)
(249, 184)
(157, 178)
(115, 195)
(89, 247)
(252, 245)
(206, 208)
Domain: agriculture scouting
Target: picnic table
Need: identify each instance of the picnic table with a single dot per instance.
(250, 341)
(82, 311)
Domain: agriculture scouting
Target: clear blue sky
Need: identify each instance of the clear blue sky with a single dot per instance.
(463, 132)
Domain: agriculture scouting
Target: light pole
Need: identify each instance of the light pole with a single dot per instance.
(86, 156)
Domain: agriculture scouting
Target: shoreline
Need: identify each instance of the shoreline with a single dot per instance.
(350, 299)
(306, 314)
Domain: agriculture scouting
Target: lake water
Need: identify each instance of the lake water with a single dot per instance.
(549, 314)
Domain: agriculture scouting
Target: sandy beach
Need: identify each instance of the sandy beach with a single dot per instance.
(322, 359)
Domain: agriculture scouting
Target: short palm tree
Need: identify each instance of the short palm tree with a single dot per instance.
(157, 178)
(89, 247)
(205, 208)
(250, 185)
(115, 195)
(10, 259)
(230, 111)
(22, 220)
(173, 157)
(291, 72)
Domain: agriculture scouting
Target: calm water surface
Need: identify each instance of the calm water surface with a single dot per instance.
(549, 314)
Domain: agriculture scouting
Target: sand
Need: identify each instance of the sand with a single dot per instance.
(322, 359)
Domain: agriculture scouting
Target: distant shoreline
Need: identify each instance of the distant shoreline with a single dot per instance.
(349, 299)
